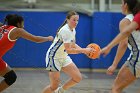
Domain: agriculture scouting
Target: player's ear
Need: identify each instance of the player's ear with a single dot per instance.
(19, 25)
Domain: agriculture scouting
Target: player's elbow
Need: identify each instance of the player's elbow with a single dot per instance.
(127, 32)
(124, 43)
(69, 51)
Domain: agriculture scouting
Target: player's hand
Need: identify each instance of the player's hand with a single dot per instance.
(105, 50)
(88, 50)
(50, 38)
(111, 70)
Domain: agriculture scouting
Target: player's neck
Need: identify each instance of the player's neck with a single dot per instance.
(70, 28)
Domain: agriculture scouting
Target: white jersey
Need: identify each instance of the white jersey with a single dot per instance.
(133, 41)
(135, 36)
(57, 49)
(133, 61)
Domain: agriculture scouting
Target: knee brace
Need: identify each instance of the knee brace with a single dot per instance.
(10, 77)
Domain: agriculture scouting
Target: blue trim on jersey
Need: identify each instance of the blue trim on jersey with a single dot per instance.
(48, 62)
(53, 51)
(134, 46)
(131, 55)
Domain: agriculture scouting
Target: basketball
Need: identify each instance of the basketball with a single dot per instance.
(94, 55)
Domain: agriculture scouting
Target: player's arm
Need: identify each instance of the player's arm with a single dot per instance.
(77, 46)
(19, 32)
(121, 48)
(73, 48)
(135, 24)
(125, 33)
(123, 44)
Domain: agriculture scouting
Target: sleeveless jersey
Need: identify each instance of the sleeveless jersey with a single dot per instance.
(57, 49)
(134, 42)
(5, 42)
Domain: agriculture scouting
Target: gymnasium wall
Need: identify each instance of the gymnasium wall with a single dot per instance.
(100, 28)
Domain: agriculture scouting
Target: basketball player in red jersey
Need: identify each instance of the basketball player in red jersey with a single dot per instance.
(9, 33)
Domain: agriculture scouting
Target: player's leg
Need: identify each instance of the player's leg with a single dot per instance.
(8, 74)
(53, 66)
(75, 76)
(54, 82)
(124, 78)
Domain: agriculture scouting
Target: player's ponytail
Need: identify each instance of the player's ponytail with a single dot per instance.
(61, 26)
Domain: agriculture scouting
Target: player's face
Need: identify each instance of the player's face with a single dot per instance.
(73, 21)
(124, 7)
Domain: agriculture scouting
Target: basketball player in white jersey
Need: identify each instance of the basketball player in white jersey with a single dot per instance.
(131, 69)
(57, 58)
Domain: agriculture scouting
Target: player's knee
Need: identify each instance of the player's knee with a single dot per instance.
(77, 79)
(10, 77)
(54, 87)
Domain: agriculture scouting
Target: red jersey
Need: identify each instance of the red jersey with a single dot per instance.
(137, 19)
(5, 42)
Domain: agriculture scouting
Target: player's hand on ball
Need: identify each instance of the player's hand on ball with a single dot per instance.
(95, 53)
(88, 50)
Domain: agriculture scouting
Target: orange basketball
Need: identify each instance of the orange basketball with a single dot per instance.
(94, 55)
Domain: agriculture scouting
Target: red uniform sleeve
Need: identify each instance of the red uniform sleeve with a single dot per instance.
(137, 19)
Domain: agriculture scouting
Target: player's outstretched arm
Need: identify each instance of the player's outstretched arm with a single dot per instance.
(121, 48)
(19, 32)
(121, 36)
